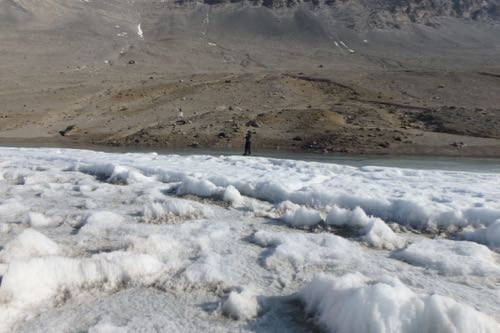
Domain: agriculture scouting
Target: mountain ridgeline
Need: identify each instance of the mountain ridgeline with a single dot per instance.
(383, 13)
(360, 14)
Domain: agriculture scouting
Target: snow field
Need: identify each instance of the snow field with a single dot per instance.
(400, 195)
(229, 244)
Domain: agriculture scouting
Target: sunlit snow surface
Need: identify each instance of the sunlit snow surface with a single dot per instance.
(103, 242)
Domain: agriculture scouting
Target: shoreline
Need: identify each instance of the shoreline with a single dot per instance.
(483, 152)
(282, 153)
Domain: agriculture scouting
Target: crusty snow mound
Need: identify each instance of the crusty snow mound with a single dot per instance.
(39, 220)
(29, 244)
(100, 242)
(300, 250)
(375, 231)
(302, 217)
(241, 305)
(489, 235)
(452, 257)
(355, 303)
(102, 222)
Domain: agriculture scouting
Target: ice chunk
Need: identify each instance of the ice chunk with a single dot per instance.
(346, 217)
(241, 305)
(271, 191)
(114, 174)
(56, 274)
(379, 235)
(39, 220)
(302, 217)
(173, 209)
(102, 223)
(101, 171)
(354, 303)
(451, 257)
(301, 249)
(341, 217)
(29, 244)
(489, 236)
(153, 212)
(232, 195)
(202, 188)
(482, 215)
(374, 231)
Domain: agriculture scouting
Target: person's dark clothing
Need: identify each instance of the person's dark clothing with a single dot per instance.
(248, 145)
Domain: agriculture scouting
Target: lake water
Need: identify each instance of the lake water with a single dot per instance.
(470, 164)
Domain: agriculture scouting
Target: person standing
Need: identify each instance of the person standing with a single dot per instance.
(248, 144)
(180, 115)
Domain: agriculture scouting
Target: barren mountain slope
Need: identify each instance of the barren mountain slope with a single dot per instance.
(420, 72)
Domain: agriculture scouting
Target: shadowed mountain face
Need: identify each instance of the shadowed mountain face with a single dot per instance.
(361, 12)
(382, 13)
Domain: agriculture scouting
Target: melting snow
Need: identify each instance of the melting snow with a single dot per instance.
(139, 31)
(102, 242)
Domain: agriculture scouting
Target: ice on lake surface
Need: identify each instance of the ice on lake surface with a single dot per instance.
(105, 242)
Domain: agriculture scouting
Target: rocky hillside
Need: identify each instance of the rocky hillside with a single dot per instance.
(378, 76)
(374, 12)
(383, 13)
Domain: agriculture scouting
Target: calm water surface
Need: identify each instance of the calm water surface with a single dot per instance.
(469, 164)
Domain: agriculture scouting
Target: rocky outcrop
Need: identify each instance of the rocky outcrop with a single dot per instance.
(384, 13)
(358, 14)
(426, 11)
